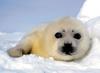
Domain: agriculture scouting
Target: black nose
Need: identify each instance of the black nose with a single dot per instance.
(67, 48)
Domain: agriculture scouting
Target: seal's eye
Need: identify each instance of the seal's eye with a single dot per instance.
(77, 36)
(58, 35)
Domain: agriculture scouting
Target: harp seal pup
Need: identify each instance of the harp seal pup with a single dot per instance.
(65, 39)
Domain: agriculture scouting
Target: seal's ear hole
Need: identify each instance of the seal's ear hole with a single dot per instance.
(63, 30)
(77, 36)
(72, 30)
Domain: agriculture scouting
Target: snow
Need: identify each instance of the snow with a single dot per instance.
(89, 10)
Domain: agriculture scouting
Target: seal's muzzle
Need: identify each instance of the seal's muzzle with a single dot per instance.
(67, 49)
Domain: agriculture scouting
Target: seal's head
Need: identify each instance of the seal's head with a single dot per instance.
(67, 39)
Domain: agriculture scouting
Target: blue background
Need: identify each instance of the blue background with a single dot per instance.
(22, 15)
